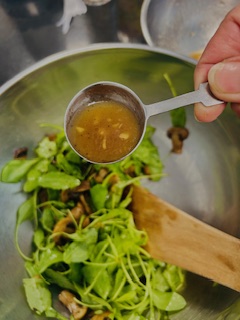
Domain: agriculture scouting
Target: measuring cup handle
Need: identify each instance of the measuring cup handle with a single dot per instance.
(203, 95)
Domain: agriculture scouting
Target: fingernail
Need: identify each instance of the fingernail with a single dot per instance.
(224, 77)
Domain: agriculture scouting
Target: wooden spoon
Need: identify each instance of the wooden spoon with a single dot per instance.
(182, 240)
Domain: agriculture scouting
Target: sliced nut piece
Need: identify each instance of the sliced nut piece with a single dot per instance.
(117, 125)
(104, 144)
(124, 135)
(80, 129)
(102, 132)
(68, 299)
(96, 121)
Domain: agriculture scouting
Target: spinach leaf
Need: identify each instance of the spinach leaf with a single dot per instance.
(26, 211)
(38, 295)
(15, 170)
(46, 148)
(178, 116)
(168, 301)
(59, 279)
(73, 157)
(58, 181)
(47, 219)
(174, 276)
(39, 238)
(76, 252)
(146, 154)
(48, 257)
(34, 173)
(99, 195)
(32, 180)
(67, 167)
(99, 279)
(39, 298)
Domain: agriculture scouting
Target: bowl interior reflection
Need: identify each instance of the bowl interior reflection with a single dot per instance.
(183, 26)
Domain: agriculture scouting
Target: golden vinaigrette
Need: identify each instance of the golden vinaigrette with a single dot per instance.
(104, 131)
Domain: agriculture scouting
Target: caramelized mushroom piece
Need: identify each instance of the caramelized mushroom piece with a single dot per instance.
(64, 196)
(73, 194)
(87, 208)
(21, 153)
(100, 175)
(78, 211)
(68, 300)
(146, 170)
(67, 224)
(42, 196)
(84, 186)
(131, 171)
(114, 179)
(64, 225)
(177, 135)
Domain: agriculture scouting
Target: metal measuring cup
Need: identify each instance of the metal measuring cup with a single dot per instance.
(112, 91)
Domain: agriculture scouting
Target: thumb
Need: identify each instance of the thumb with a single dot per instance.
(224, 80)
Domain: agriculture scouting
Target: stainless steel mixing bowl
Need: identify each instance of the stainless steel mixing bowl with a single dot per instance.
(204, 180)
(183, 26)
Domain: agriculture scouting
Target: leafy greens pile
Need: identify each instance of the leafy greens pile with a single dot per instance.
(85, 243)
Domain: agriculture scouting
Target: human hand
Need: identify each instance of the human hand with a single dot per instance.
(220, 66)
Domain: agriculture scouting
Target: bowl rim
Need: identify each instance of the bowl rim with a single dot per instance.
(143, 22)
(90, 48)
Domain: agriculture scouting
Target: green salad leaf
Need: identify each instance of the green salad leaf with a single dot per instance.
(15, 170)
(85, 242)
(39, 298)
(58, 181)
(178, 116)
(38, 295)
(46, 148)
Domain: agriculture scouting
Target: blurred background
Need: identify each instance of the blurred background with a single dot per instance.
(29, 32)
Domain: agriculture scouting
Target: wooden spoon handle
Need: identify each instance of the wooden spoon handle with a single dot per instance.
(180, 239)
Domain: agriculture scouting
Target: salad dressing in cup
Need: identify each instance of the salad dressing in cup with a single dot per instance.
(106, 121)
